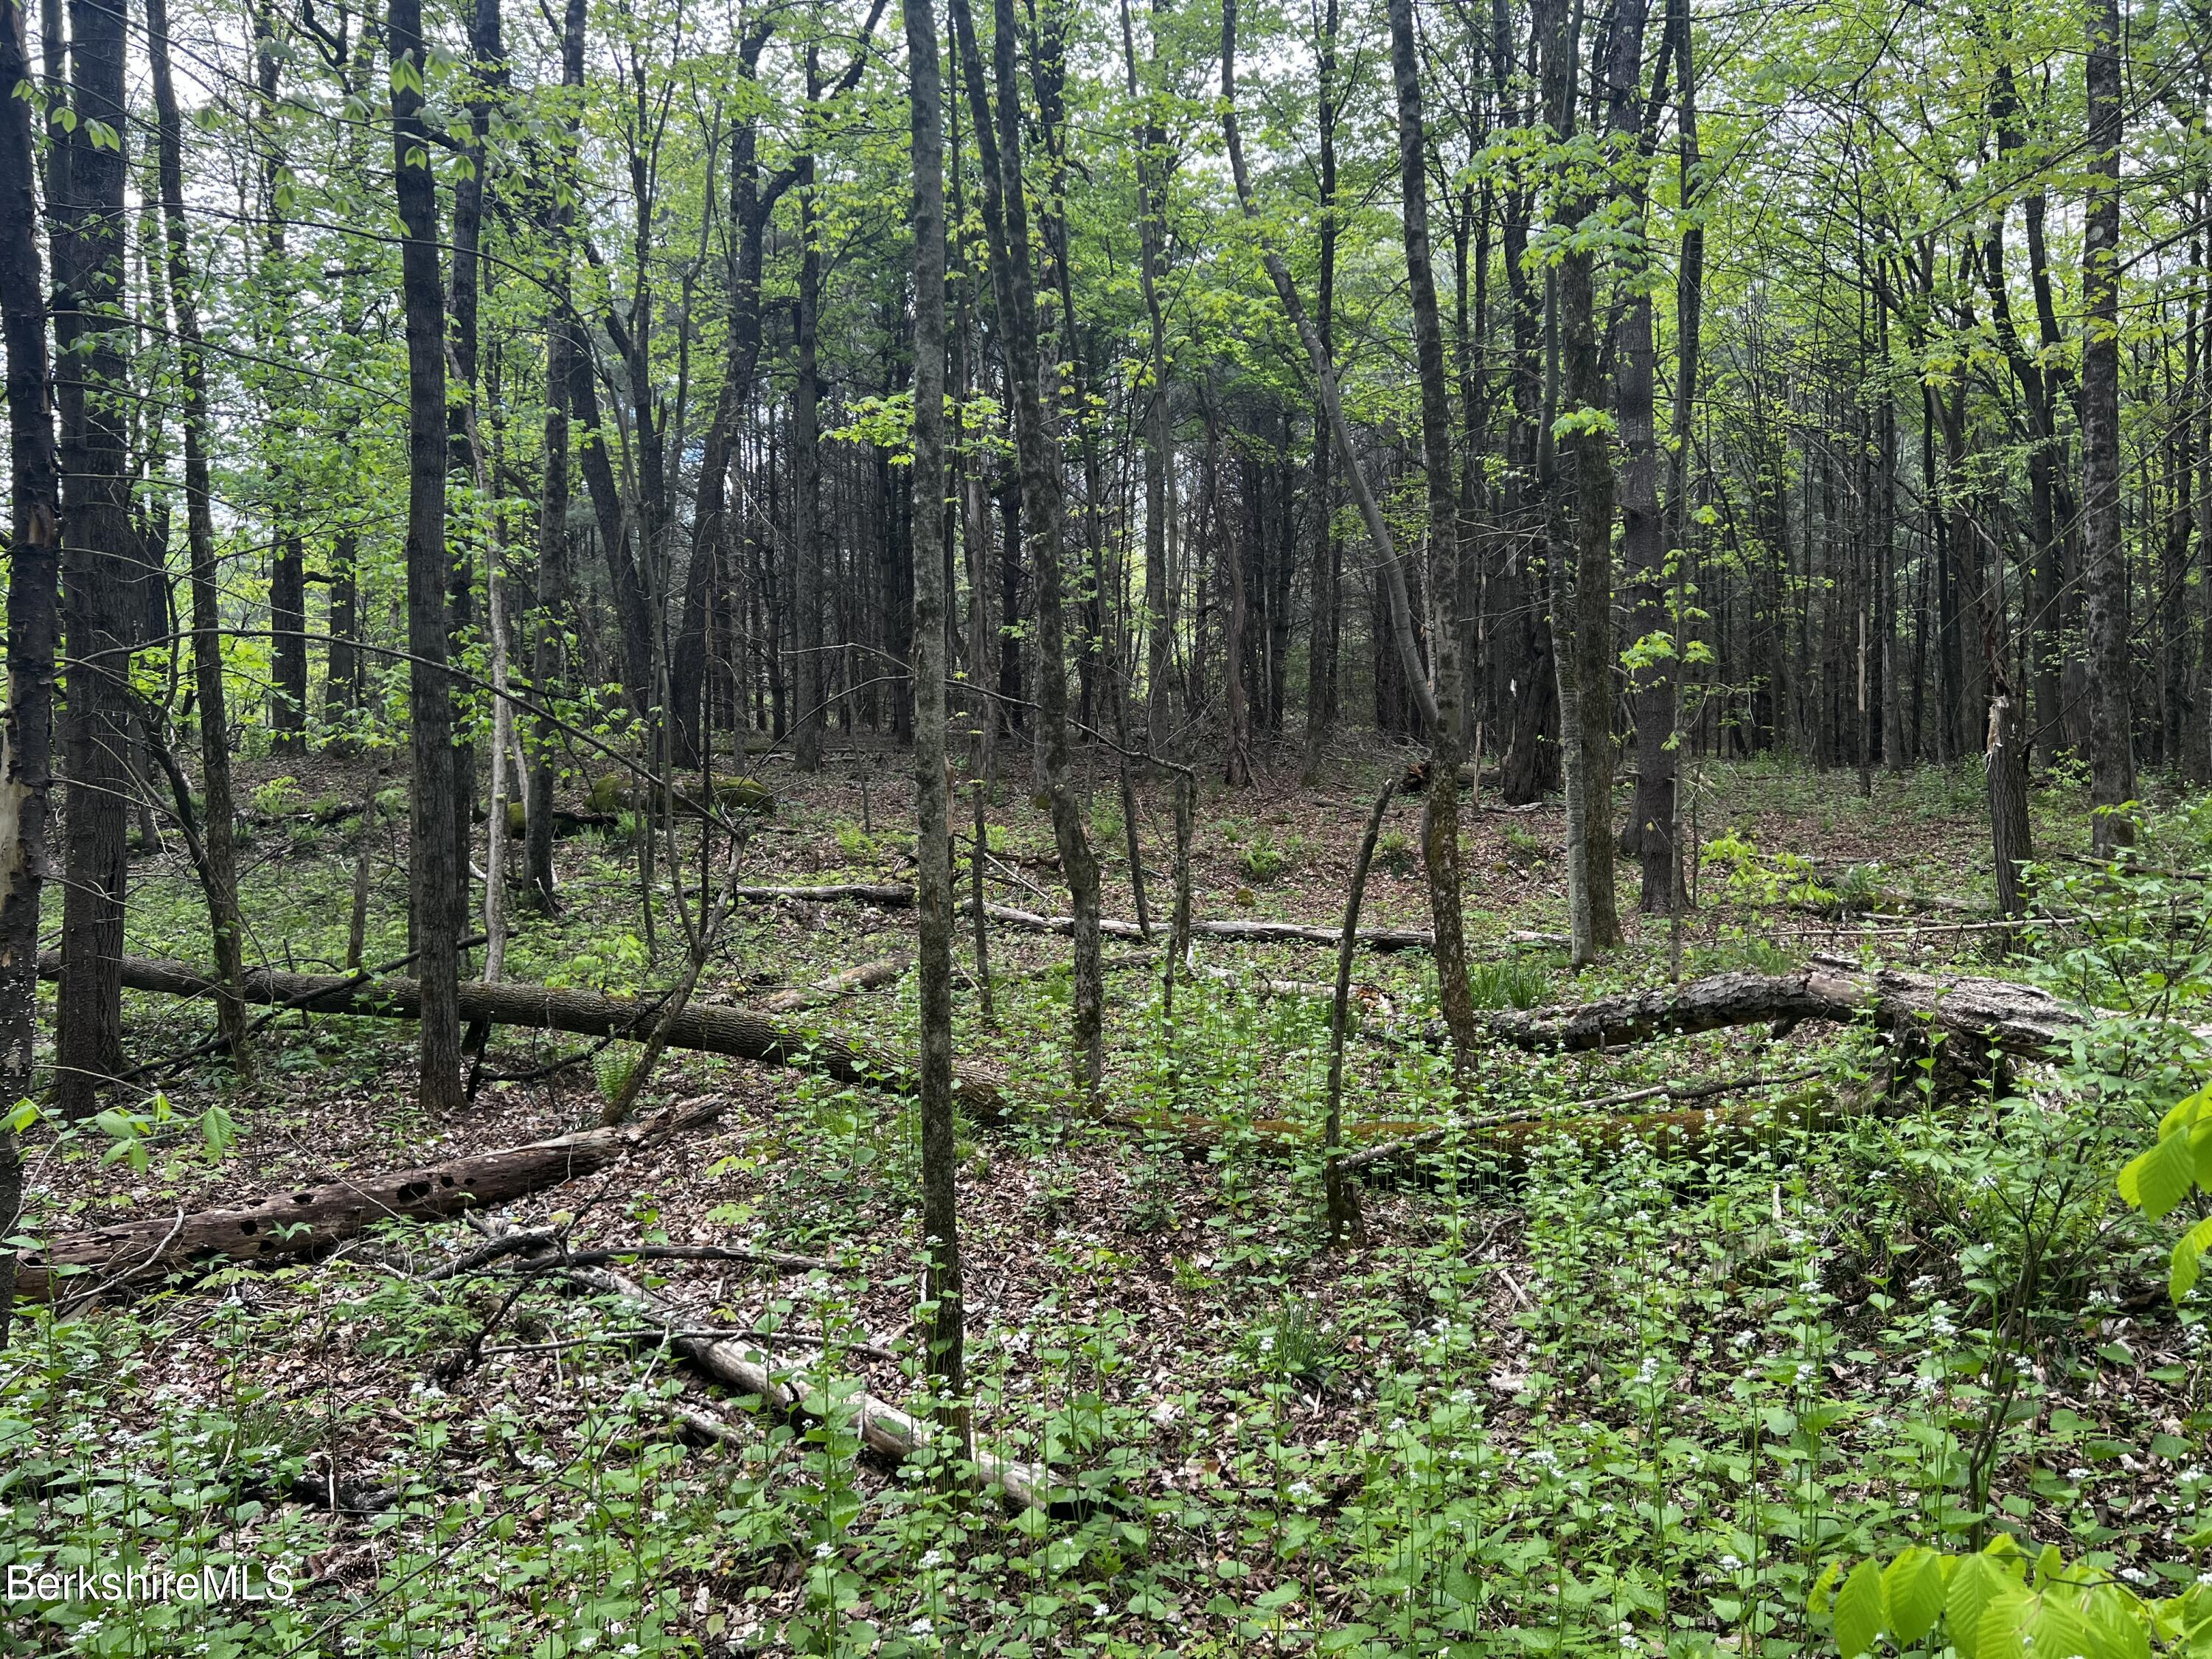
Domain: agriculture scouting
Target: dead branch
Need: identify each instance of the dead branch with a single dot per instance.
(887, 1430)
(310, 1219)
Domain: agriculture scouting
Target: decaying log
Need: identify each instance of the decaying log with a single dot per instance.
(895, 896)
(888, 1430)
(1976, 1014)
(737, 1032)
(885, 896)
(865, 977)
(309, 1219)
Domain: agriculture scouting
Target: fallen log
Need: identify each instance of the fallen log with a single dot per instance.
(887, 1430)
(865, 977)
(1977, 1014)
(307, 1220)
(737, 1032)
(896, 896)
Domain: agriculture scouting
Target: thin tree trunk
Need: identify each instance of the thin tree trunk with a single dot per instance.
(2112, 758)
(1006, 217)
(551, 597)
(942, 1303)
(220, 857)
(807, 542)
(1343, 1199)
(1440, 853)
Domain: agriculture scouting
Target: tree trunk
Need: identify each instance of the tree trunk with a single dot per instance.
(33, 576)
(806, 545)
(550, 598)
(434, 842)
(1324, 585)
(1649, 539)
(2104, 558)
(942, 1305)
(1440, 851)
(100, 557)
(1006, 217)
(219, 855)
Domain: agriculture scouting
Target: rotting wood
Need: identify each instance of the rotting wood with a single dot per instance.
(1977, 1014)
(306, 1220)
(887, 1430)
(865, 977)
(739, 1033)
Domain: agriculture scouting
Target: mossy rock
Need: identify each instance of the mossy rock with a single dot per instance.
(517, 818)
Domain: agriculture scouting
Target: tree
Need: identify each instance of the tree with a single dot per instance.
(218, 856)
(1005, 219)
(2112, 751)
(1447, 733)
(434, 884)
(102, 559)
(940, 1157)
(34, 574)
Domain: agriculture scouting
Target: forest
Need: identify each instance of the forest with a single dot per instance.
(1107, 827)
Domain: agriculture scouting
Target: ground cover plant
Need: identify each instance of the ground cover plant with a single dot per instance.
(1082, 829)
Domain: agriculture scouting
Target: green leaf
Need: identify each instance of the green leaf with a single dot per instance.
(1977, 1581)
(2057, 1630)
(2161, 1177)
(2189, 1260)
(1913, 1594)
(1858, 1610)
(2000, 1631)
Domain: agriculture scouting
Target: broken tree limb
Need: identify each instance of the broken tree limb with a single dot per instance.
(888, 1430)
(306, 1220)
(737, 1032)
(1978, 1014)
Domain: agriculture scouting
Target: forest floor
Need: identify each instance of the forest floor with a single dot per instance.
(1595, 1398)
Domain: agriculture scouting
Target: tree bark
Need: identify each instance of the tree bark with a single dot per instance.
(942, 1305)
(1343, 1200)
(808, 678)
(1006, 217)
(219, 854)
(2104, 558)
(737, 1032)
(33, 576)
(551, 595)
(101, 555)
(309, 1220)
(433, 843)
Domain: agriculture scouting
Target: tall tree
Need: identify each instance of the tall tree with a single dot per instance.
(1440, 851)
(434, 845)
(34, 576)
(547, 652)
(102, 559)
(2104, 558)
(218, 856)
(940, 1156)
(1006, 220)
